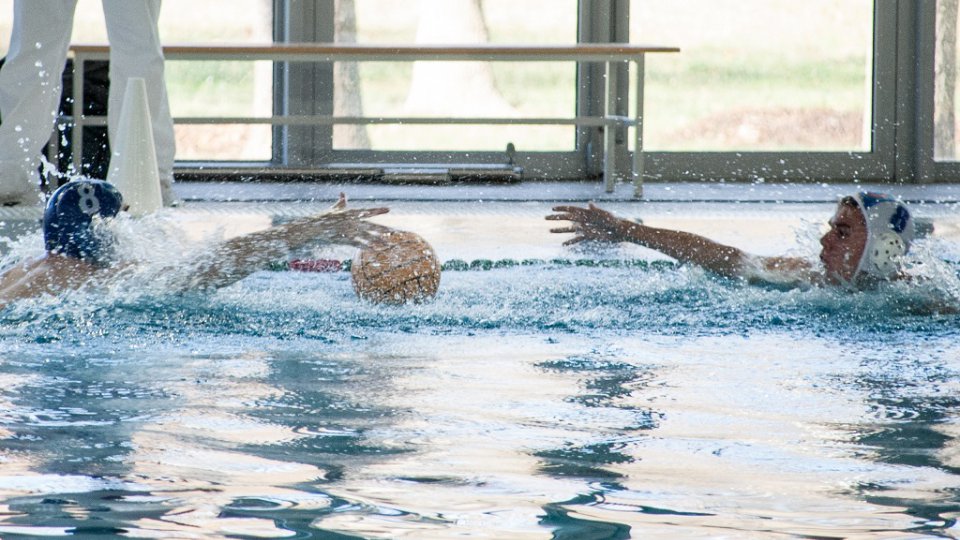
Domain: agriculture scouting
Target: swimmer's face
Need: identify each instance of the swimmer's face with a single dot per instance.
(843, 244)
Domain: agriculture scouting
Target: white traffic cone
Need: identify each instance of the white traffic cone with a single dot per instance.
(133, 165)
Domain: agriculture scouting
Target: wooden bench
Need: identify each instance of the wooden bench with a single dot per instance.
(610, 54)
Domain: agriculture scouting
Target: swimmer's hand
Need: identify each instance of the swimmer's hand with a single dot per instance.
(348, 227)
(590, 223)
(239, 257)
(342, 226)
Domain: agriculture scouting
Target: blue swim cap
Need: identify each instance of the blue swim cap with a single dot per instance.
(68, 218)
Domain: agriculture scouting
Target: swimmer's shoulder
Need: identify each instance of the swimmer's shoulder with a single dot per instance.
(20, 269)
(49, 274)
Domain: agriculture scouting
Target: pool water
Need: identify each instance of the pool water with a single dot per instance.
(546, 400)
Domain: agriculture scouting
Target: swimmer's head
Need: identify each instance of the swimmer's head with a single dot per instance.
(70, 215)
(890, 231)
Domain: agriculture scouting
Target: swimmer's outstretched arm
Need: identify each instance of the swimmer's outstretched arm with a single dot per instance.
(239, 257)
(593, 223)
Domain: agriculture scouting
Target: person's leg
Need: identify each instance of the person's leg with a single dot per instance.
(135, 51)
(30, 85)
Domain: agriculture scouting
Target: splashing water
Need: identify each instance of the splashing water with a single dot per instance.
(665, 299)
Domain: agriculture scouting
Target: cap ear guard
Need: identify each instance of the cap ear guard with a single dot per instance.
(884, 254)
(890, 230)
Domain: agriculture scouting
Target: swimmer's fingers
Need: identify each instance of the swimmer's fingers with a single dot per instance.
(567, 213)
(576, 216)
(587, 231)
(578, 226)
(341, 203)
(589, 214)
(603, 237)
(334, 227)
(590, 223)
(336, 217)
(370, 212)
(561, 217)
(361, 233)
(362, 213)
(566, 209)
(340, 208)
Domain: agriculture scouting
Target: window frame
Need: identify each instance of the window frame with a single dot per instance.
(926, 169)
(901, 128)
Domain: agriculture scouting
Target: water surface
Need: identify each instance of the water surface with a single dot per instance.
(540, 401)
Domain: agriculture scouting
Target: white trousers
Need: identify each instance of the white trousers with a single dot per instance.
(30, 84)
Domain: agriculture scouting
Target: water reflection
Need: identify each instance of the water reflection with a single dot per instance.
(741, 445)
(912, 402)
(162, 433)
(476, 412)
(606, 382)
(672, 405)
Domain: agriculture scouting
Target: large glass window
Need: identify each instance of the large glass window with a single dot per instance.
(757, 75)
(456, 89)
(781, 89)
(220, 88)
(201, 88)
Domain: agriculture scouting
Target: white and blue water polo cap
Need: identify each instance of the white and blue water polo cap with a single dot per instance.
(890, 231)
(68, 220)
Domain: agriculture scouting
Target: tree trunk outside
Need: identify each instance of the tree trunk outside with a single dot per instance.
(256, 140)
(454, 88)
(946, 80)
(346, 80)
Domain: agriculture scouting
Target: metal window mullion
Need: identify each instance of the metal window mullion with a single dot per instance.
(889, 110)
(923, 35)
(909, 64)
(303, 87)
(603, 21)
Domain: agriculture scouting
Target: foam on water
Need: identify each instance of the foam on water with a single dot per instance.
(666, 300)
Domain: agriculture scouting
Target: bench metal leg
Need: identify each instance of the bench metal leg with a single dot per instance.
(638, 134)
(76, 140)
(610, 129)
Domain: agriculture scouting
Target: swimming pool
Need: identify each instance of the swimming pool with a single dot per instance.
(561, 398)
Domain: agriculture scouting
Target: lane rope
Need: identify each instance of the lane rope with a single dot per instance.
(460, 265)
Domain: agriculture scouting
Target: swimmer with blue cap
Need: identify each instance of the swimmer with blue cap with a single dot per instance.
(71, 216)
(869, 235)
(80, 250)
(77, 247)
